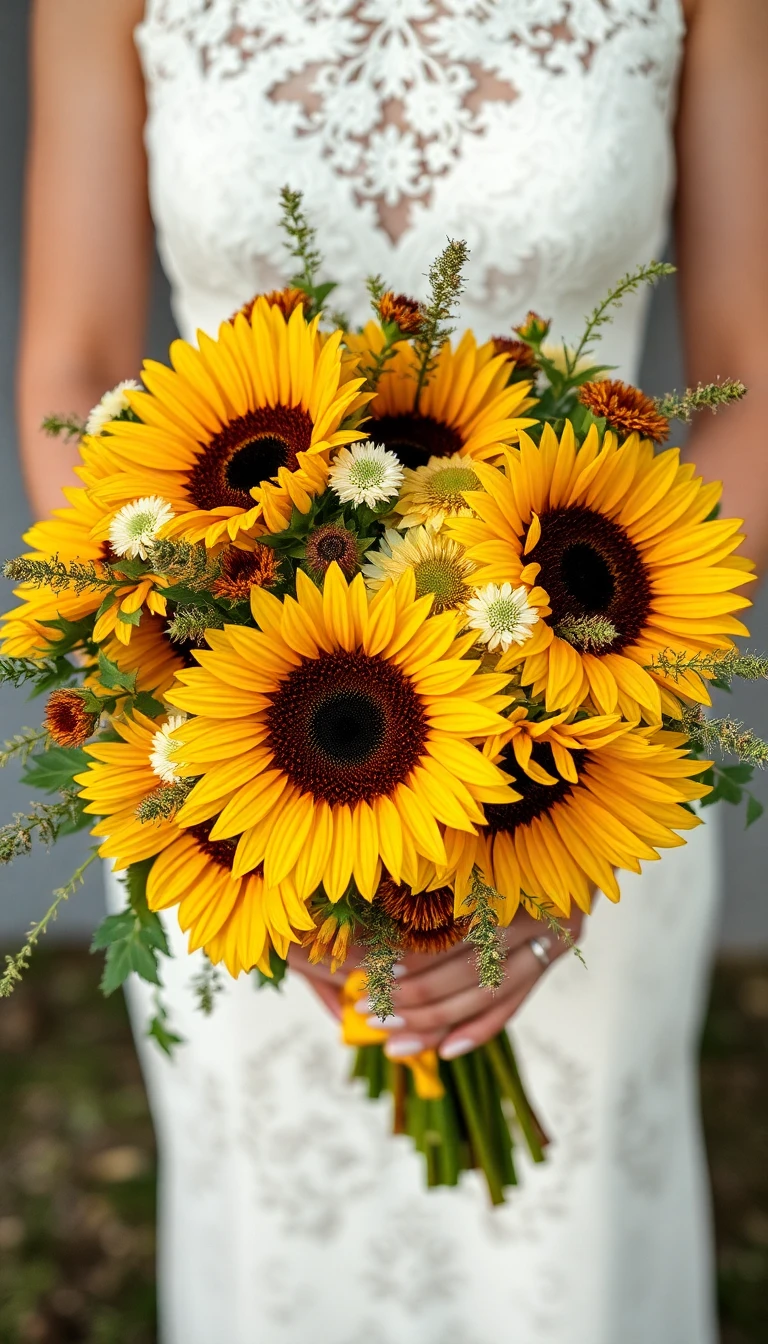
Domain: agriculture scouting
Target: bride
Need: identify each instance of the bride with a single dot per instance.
(543, 132)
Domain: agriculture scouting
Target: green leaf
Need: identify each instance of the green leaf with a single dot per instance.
(755, 809)
(112, 678)
(112, 929)
(133, 938)
(278, 967)
(147, 704)
(157, 1031)
(54, 769)
(72, 633)
(130, 617)
(738, 774)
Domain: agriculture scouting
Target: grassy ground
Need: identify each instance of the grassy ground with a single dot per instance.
(77, 1159)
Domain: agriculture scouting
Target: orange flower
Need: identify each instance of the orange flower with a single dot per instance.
(67, 720)
(287, 300)
(243, 570)
(401, 309)
(625, 408)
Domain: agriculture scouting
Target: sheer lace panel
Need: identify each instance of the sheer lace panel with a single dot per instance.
(392, 93)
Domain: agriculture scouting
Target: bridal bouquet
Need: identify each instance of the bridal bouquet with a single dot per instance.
(368, 639)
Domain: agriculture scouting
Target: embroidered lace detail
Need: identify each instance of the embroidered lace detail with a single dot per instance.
(391, 93)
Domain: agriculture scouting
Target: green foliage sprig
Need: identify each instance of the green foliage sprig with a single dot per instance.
(484, 936)
(723, 667)
(446, 283)
(53, 573)
(189, 624)
(164, 802)
(589, 633)
(380, 939)
(134, 939)
(22, 744)
(44, 673)
(185, 563)
(63, 426)
(206, 985)
(301, 242)
(16, 965)
(602, 314)
(44, 822)
(556, 927)
(727, 735)
(705, 396)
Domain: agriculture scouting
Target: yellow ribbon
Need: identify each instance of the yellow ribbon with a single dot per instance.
(356, 1031)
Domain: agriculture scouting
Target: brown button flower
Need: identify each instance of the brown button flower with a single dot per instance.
(69, 723)
(287, 300)
(401, 309)
(243, 570)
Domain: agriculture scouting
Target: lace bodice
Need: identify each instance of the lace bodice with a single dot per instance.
(538, 130)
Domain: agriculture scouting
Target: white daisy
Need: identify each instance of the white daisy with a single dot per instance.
(365, 473)
(111, 405)
(163, 744)
(502, 615)
(136, 525)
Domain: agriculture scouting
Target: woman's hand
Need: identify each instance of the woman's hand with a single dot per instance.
(438, 1002)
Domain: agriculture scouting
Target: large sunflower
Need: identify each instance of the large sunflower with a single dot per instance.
(617, 536)
(595, 796)
(352, 717)
(235, 919)
(239, 430)
(70, 534)
(468, 405)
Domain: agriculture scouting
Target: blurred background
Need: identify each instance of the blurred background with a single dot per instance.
(76, 1151)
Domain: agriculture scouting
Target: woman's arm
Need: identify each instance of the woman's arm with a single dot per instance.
(722, 227)
(87, 242)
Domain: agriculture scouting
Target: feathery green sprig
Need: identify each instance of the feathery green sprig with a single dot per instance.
(44, 822)
(206, 985)
(21, 745)
(484, 936)
(185, 563)
(446, 283)
(53, 573)
(164, 802)
(189, 624)
(722, 666)
(380, 939)
(16, 965)
(301, 237)
(705, 396)
(728, 735)
(629, 284)
(588, 633)
(63, 426)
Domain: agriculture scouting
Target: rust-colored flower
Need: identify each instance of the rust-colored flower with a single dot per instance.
(332, 542)
(287, 300)
(424, 919)
(329, 940)
(401, 309)
(625, 408)
(69, 723)
(243, 570)
(520, 351)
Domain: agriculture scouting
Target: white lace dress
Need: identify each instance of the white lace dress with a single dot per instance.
(539, 130)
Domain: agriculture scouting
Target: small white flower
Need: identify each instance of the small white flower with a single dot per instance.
(163, 743)
(136, 525)
(111, 405)
(502, 615)
(365, 473)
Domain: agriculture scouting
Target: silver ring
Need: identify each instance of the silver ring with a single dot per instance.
(540, 949)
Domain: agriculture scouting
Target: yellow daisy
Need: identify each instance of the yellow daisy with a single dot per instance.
(616, 534)
(239, 430)
(439, 565)
(353, 718)
(235, 919)
(432, 493)
(468, 406)
(595, 796)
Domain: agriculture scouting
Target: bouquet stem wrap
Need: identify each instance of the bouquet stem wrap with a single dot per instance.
(461, 1114)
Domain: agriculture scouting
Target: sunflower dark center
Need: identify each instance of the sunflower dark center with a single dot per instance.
(590, 567)
(183, 648)
(346, 727)
(331, 547)
(247, 451)
(416, 438)
(221, 852)
(536, 798)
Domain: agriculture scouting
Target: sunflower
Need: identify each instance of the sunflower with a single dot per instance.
(466, 407)
(424, 920)
(439, 565)
(152, 655)
(235, 919)
(595, 795)
(352, 717)
(434, 492)
(619, 538)
(238, 431)
(69, 534)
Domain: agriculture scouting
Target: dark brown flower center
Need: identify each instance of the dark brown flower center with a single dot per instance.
(590, 567)
(536, 798)
(416, 438)
(331, 543)
(247, 451)
(220, 852)
(424, 919)
(346, 726)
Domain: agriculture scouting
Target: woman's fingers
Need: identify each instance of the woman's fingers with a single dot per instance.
(327, 994)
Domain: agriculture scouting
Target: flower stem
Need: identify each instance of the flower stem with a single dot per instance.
(501, 1057)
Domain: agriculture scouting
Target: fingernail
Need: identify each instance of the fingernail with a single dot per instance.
(390, 1023)
(403, 1046)
(363, 1006)
(451, 1049)
(399, 970)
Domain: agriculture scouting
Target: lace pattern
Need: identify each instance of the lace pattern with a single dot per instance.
(396, 117)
